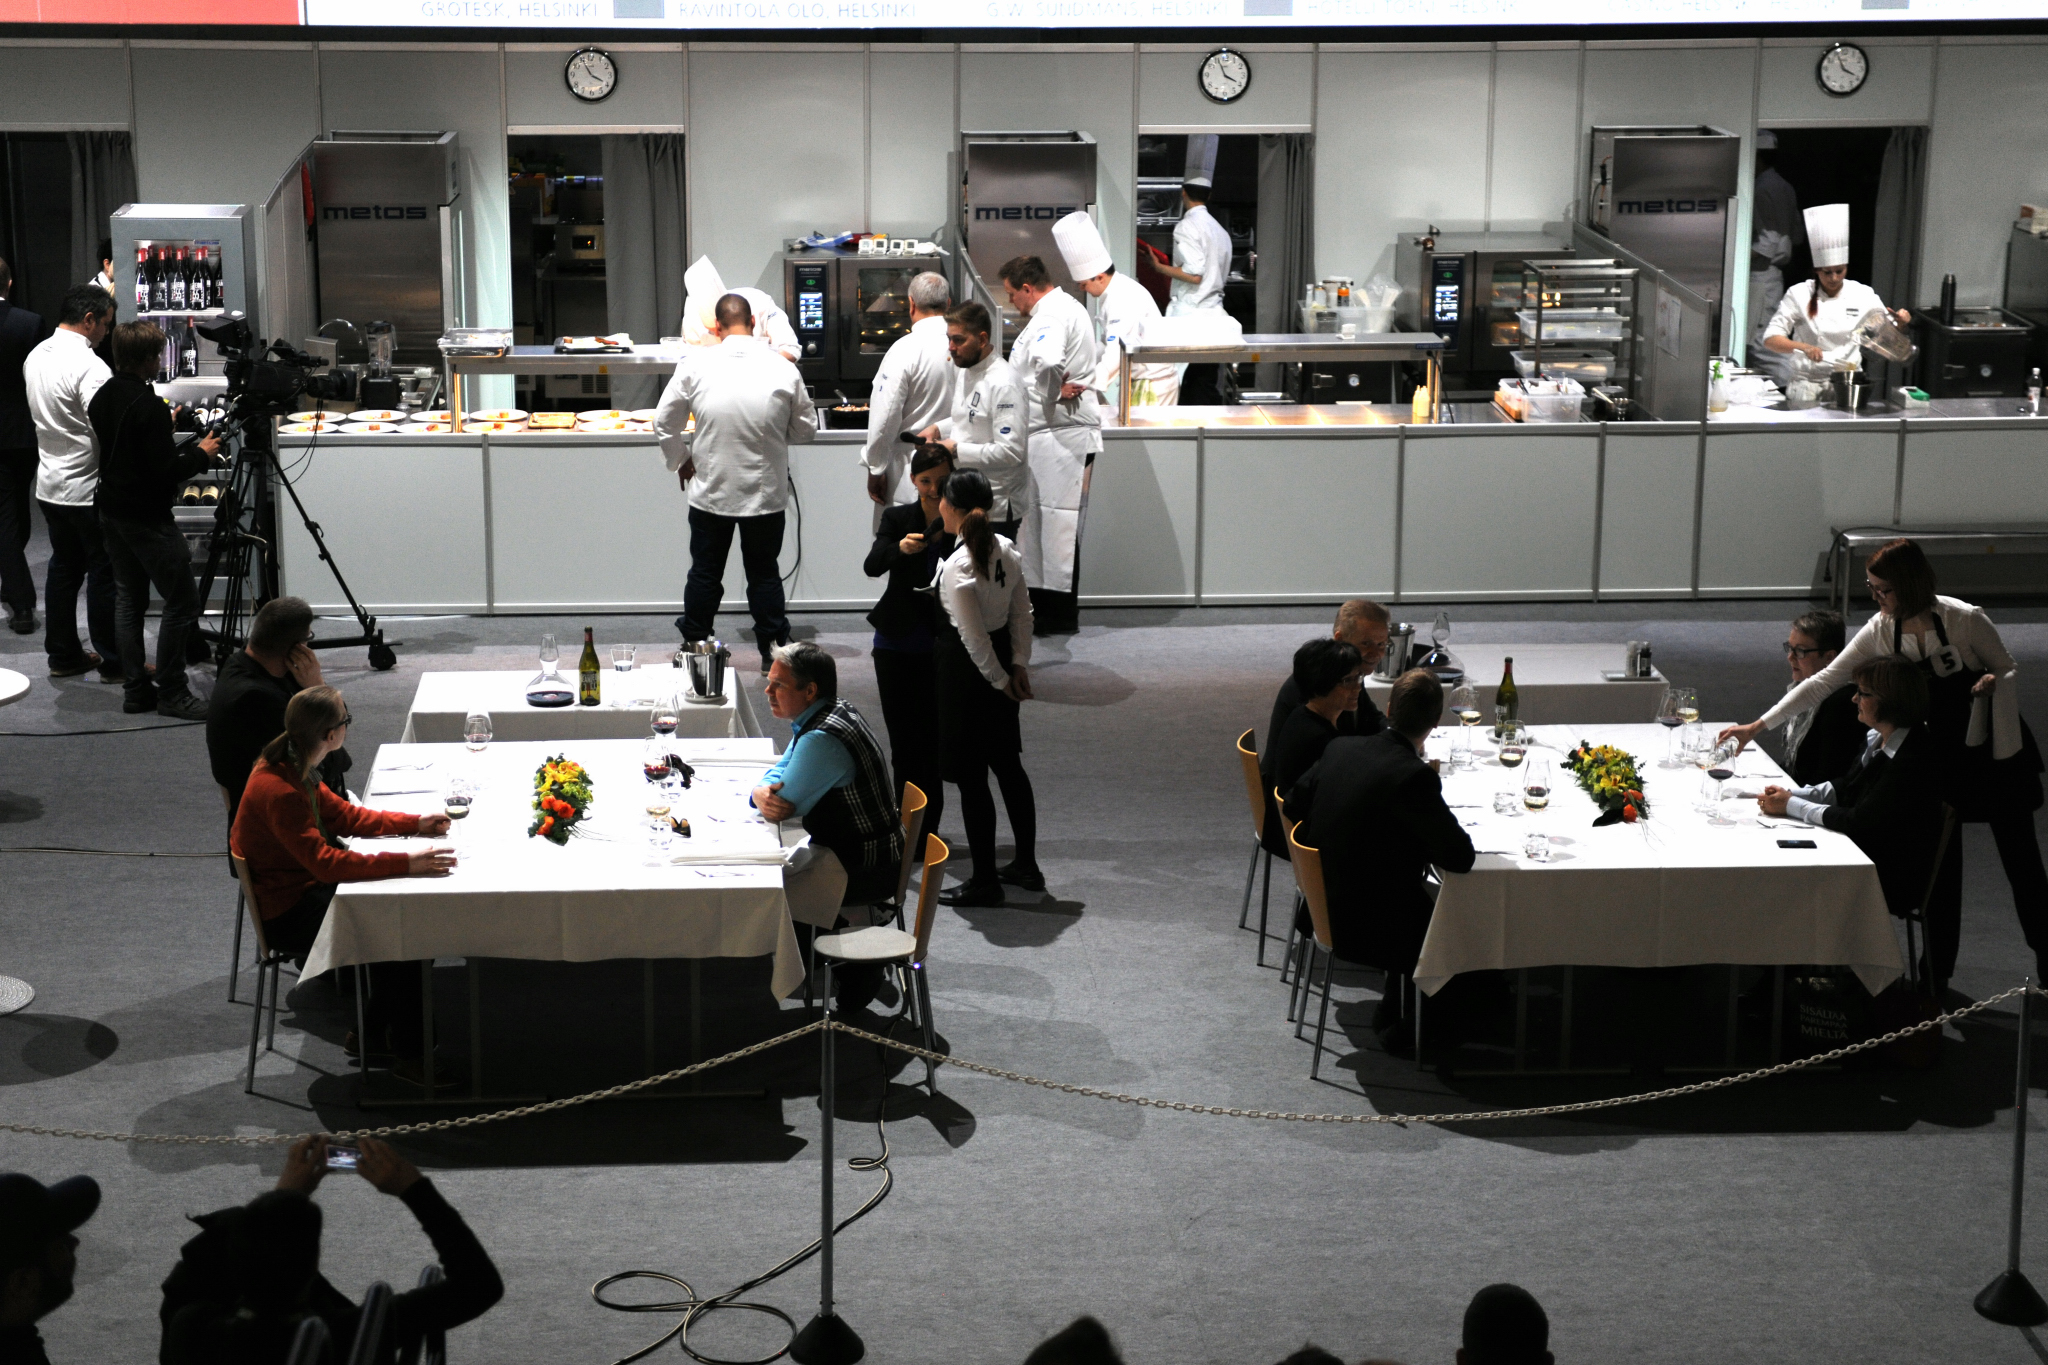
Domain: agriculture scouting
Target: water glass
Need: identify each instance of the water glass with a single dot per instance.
(1536, 848)
(1507, 803)
(476, 730)
(622, 658)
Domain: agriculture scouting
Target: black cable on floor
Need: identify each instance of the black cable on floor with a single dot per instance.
(121, 730)
(98, 852)
(692, 1308)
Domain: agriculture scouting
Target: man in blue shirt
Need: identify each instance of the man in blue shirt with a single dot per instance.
(833, 776)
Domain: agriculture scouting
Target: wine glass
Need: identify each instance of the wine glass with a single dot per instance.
(1536, 784)
(664, 718)
(1465, 706)
(550, 654)
(1514, 746)
(1667, 716)
(456, 799)
(1688, 705)
(1440, 631)
(476, 730)
(654, 759)
(1720, 767)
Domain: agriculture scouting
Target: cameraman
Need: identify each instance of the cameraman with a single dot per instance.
(141, 466)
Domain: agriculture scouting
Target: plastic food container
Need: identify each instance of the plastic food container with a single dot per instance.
(1588, 367)
(1327, 321)
(1540, 400)
(551, 421)
(476, 341)
(1574, 324)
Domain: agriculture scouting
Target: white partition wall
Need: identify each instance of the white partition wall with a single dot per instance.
(405, 522)
(1499, 512)
(1974, 472)
(1774, 495)
(595, 522)
(1648, 477)
(1141, 538)
(1300, 517)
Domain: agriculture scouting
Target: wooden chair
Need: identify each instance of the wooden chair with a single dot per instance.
(268, 962)
(1308, 875)
(227, 800)
(904, 951)
(1254, 790)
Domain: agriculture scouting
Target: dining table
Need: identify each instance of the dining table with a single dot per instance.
(443, 701)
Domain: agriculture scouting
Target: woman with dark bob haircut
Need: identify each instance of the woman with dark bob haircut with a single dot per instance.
(1987, 764)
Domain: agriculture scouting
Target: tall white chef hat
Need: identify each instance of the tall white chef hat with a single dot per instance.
(1827, 234)
(1201, 167)
(1081, 246)
(1766, 140)
(703, 286)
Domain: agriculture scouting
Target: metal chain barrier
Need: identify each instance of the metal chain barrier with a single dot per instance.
(1065, 1088)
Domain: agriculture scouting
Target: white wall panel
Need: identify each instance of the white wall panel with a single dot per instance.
(1086, 91)
(1988, 152)
(1774, 497)
(1300, 519)
(372, 88)
(419, 549)
(56, 88)
(910, 134)
(649, 93)
(1279, 92)
(1960, 475)
(1646, 510)
(1401, 144)
(1535, 136)
(1139, 540)
(221, 125)
(1900, 88)
(776, 147)
(1511, 507)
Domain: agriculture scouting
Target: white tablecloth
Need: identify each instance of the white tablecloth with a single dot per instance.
(1669, 891)
(726, 892)
(444, 701)
(1559, 684)
(13, 686)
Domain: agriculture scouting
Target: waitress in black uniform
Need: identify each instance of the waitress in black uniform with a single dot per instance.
(981, 662)
(910, 544)
(1991, 763)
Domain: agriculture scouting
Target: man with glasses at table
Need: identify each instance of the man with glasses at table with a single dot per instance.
(246, 710)
(1820, 744)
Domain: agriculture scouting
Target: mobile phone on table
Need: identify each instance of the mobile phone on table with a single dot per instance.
(343, 1158)
(1797, 843)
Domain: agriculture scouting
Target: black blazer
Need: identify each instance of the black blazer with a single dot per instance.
(1300, 746)
(1891, 807)
(20, 332)
(905, 608)
(1377, 813)
(1366, 720)
(141, 464)
(1832, 742)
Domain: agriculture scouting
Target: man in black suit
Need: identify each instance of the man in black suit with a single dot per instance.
(1820, 744)
(1889, 799)
(20, 332)
(1377, 813)
(1363, 626)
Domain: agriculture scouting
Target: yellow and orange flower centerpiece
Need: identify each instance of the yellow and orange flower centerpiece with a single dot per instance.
(561, 798)
(1610, 776)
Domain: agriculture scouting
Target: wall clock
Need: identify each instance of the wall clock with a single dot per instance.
(1842, 70)
(591, 73)
(1224, 75)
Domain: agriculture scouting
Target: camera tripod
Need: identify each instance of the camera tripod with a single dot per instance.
(241, 552)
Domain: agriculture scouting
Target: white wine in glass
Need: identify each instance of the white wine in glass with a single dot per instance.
(1465, 705)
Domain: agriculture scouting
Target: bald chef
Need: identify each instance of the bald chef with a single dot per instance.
(1121, 308)
(913, 390)
(1054, 357)
(1817, 319)
(703, 287)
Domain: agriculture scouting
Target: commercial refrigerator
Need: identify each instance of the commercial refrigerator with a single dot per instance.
(848, 309)
(2026, 289)
(1467, 287)
(208, 247)
(1667, 194)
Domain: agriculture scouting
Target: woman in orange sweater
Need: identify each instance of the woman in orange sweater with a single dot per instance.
(288, 830)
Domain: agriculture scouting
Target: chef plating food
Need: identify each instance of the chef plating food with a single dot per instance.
(1816, 322)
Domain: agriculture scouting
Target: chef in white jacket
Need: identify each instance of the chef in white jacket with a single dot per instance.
(750, 407)
(703, 287)
(1200, 268)
(1122, 308)
(985, 428)
(1054, 356)
(1816, 320)
(913, 390)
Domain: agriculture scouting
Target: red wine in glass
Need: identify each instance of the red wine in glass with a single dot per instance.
(664, 726)
(656, 772)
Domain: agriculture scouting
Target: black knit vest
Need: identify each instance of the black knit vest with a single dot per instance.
(858, 821)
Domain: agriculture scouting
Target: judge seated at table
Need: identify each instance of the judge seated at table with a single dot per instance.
(1329, 678)
(1820, 744)
(1889, 799)
(1362, 625)
(834, 778)
(288, 830)
(1377, 813)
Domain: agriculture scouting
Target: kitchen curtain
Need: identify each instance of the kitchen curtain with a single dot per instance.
(644, 248)
(1895, 252)
(1285, 235)
(102, 180)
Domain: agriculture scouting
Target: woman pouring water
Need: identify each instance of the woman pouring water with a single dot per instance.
(1815, 325)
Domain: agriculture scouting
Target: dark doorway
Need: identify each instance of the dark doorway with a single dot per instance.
(1234, 202)
(1836, 166)
(558, 260)
(35, 219)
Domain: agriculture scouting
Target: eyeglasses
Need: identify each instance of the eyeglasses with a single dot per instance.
(1862, 695)
(1799, 651)
(346, 721)
(1878, 589)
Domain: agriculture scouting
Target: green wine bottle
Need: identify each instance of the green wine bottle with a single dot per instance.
(1506, 700)
(587, 685)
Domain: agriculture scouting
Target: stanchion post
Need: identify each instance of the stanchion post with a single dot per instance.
(826, 1339)
(2010, 1298)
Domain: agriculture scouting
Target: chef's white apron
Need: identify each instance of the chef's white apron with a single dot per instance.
(1049, 541)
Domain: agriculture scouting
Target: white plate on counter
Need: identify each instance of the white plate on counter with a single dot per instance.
(498, 415)
(309, 428)
(431, 415)
(376, 415)
(425, 429)
(371, 428)
(319, 415)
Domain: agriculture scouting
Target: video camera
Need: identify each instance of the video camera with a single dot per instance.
(267, 381)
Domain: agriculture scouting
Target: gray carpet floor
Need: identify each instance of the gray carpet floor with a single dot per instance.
(1822, 1217)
